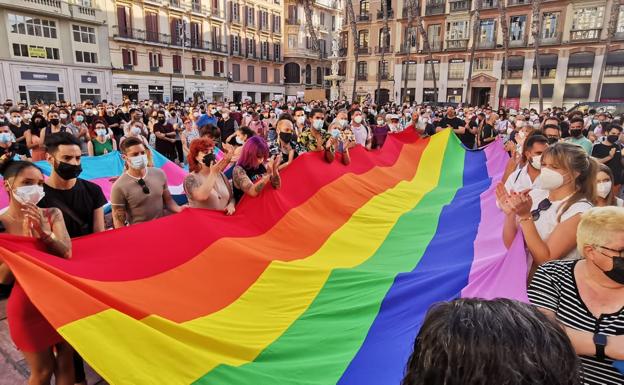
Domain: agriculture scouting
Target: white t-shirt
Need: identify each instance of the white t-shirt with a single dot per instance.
(619, 202)
(519, 180)
(547, 221)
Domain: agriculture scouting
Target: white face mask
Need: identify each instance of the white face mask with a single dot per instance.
(16, 120)
(343, 122)
(239, 140)
(536, 162)
(63, 116)
(380, 122)
(101, 132)
(29, 194)
(318, 124)
(604, 188)
(358, 119)
(549, 180)
(195, 114)
(138, 162)
(135, 130)
(301, 119)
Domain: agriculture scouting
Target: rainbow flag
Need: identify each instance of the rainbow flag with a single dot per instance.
(325, 281)
(102, 170)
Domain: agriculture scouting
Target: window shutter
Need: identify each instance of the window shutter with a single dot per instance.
(230, 18)
(134, 57)
(151, 59)
(245, 15)
(160, 64)
(194, 64)
(221, 66)
(215, 67)
(203, 64)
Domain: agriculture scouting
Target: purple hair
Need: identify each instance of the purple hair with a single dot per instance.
(253, 149)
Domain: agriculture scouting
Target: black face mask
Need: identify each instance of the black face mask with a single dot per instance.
(54, 122)
(617, 273)
(68, 171)
(576, 133)
(286, 137)
(552, 140)
(612, 138)
(209, 159)
(161, 120)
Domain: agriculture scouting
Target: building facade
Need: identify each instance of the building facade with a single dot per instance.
(305, 68)
(54, 50)
(576, 64)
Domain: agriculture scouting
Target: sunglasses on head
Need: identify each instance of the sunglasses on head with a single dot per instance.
(542, 206)
(143, 185)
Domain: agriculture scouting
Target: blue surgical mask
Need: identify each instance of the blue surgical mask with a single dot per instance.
(5, 137)
(318, 124)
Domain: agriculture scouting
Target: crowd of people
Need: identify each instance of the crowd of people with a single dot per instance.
(562, 187)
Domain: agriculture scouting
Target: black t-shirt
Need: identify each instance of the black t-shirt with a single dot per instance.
(115, 119)
(601, 150)
(20, 147)
(82, 199)
(487, 132)
(466, 138)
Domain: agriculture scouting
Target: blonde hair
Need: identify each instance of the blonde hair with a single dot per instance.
(598, 225)
(574, 158)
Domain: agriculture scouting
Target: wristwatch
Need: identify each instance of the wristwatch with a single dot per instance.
(600, 340)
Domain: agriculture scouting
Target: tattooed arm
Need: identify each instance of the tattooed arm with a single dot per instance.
(58, 242)
(119, 216)
(242, 181)
(198, 188)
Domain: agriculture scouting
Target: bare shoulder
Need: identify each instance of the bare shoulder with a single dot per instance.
(191, 182)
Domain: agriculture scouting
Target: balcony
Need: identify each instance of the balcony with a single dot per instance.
(363, 17)
(435, 45)
(364, 50)
(521, 42)
(342, 52)
(459, 5)
(435, 7)
(161, 39)
(380, 14)
(386, 77)
(363, 77)
(585, 34)
(457, 44)
(294, 22)
(217, 13)
(551, 39)
(175, 4)
(406, 12)
(196, 7)
(407, 48)
(511, 3)
(486, 44)
(236, 52)
(154, 69)
(619, 36)
(384, 49)
(489, 4)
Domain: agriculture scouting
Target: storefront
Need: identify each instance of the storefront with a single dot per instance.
(156, 93)
(454, 95)
(40, 86)
(130, 91)
(429, 95)
(177, 93)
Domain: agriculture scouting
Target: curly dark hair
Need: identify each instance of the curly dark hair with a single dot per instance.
(502, 342)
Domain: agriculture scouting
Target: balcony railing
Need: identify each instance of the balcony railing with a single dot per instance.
(518, 2)
(164, 39)
(406, 12)
(435, 8)
(175, 3)
(489, 4)
(585, 34)
(552, 39)
(435, 45)
(47, 3)
(459, 5)
(196, 7)
(293, 22)
(619, 36)
(457, 44)
(154, 69)
(380, 14)
(522, 42)
(407, 48)
(236, 52)
(217, 13)
(364, 17)
(486, 44)
(364, 50)
(362, 77)
(386, 76)
(384, 49)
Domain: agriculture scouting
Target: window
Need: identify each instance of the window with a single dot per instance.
(124, 20)
(92, 94)
(457, 30)
(218, 67)
(411, 38)
(86, 57)
(384, 39)
(487, 31)
(276, 76)
(575, 72)
(236, 72)
(456, 69)
(151, 26)
(615, 63)
(549, 25)
(364, 7)
(250, 74)
(177, 63)
(199, 64)
(235, 43)
(333, 23)
(292, 41)
(196, 34)
(235, 12)
(433, 33)
(308, 74)
(362, 70)
(33, 51)
(428, 73)
(620, 23)
(517, 24)
(176, 26)
(319, 76)
(411, 70)
(383, 68)
(483, 64)
(292, 73)
(581, 64)
(83, 34)
(277, 51)
(363, 39)
(587, 23)
(250, 16)
(26, 25)
(250, 47)
(264, 75)
(129, 57)
(277, 24)
(264, 49)
(322, 18)
(155, 60)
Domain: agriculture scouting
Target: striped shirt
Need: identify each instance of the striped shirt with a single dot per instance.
(554, 288)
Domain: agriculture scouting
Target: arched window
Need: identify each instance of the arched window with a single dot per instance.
(292, 72)
(384, 41)
(363, 38)
(319, 75)
(364, 7)
(308, 74)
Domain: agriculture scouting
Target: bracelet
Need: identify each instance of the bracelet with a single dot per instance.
(525, 219)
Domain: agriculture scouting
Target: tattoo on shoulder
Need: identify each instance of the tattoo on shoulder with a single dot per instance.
(240, 179)
(191, 182)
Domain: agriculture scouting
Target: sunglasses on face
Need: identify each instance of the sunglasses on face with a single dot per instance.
(143, 185)
(542, 206)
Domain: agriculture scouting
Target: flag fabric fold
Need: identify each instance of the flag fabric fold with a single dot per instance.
(324, 281)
